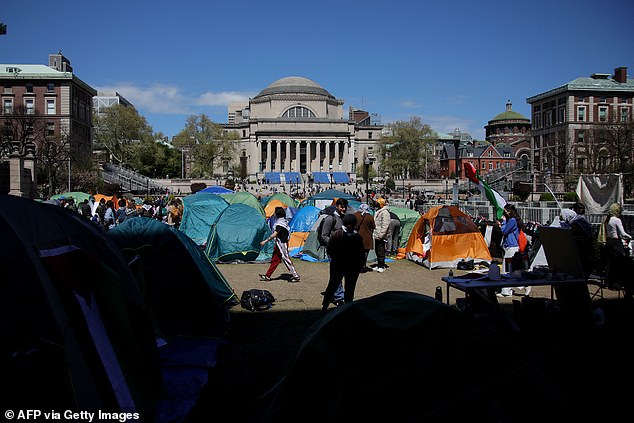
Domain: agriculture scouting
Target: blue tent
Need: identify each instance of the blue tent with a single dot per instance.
(216, 189)
(304, 219)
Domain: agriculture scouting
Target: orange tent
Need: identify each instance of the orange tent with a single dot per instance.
(269, 210)
(114, 199)
(444, 236)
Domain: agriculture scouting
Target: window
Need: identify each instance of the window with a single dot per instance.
(7, 88)
(8, 130)
(490, 165)
(507, 165)
(561, 118)
(537, 120)
(29, 87)
(580, 163)
(581, 99)
(623, 100)
(497, 165)
(29, 105)
(484, 166)
(602, 99)
(580, 136)
(298, 112)
(490, 153)
(581, 113)
(50, 87)
(50, 129)
(50, 106)
(7, 106)
(625, 113)
(370, 135)
(603, 114)
(244, 133)
(507, 154)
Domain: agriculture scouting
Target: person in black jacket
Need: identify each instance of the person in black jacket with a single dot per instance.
(347, 257)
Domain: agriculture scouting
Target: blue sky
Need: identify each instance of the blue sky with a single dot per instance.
(451, 63)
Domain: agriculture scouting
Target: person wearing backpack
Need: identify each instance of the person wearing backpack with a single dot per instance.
(281, 234)
(329, 225)
(347, 258)
(121, 211)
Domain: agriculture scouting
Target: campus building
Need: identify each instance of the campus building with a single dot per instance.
(295, 130)
(53, 103)
(565, 120)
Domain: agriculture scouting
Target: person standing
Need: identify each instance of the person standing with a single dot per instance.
(510, 234)
(617, 263)
(382, 220)
(365, 227)
(345, 249)
(331, 224)
(281, 234)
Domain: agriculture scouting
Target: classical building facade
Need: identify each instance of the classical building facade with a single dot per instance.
(513, 129)
(563, 120)
(294, 128)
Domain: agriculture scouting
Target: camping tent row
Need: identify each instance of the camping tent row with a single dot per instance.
(80, 327)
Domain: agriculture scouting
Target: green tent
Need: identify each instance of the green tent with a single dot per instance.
(236, 236)
(244, 198)
(186, 293)
(200, 211)
(408, 218)
(78, 196)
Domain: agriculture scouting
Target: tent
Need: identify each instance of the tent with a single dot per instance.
(388, 354)
(78, 196)
(216, 189)
(282, 197)
(236, 236)
(443, 236)
(244, 197)
(301, 224)
(326, 198)
(269, 209)
(200, 211)
(75, 331)
(187, 294)
(408, 218)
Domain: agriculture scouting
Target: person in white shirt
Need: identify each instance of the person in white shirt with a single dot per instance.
(618, 263)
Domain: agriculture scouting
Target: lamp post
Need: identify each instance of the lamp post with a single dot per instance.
(456, 145)
(366, 175)
(69, 173)
(331, 175)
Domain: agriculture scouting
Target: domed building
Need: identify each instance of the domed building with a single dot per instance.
(294, 130)
(513, 129)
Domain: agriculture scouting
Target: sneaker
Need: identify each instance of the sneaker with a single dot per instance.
(265, 278)
(293, 279)
(380, 269)
(338, 303)
(528, 290)
(505, 292)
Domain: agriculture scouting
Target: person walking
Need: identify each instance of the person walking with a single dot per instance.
(346, 252)
(382, 220)
(365, 227)
(281, 234)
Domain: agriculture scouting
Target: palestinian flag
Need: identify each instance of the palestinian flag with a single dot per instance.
(492, 195)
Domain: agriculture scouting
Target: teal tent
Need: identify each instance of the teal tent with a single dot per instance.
(200, 211)
(408, 218)
(236, 236)
(244, 197)
(186, 293)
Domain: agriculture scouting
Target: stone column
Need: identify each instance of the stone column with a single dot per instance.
(30, 167)
(278, 158)
(336, 167)
(16, 164)
(268, 164)
(287, 159)
(327, 161)
(298, 156)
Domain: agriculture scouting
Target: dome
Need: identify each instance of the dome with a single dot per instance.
(509, 115)
(294, 85)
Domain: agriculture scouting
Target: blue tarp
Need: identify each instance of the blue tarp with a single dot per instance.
(292, 177)
(216, 189)
(340, 177)
(321, 177)
(272, 177)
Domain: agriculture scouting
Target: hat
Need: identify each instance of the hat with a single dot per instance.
(364, 208)
(381, 201)
(349, 220)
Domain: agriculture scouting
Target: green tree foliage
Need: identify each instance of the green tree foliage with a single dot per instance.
(208, 145)
(117, 129)
(156, 159)
(407, 149)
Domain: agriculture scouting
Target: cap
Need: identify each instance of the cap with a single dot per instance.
(381, 201)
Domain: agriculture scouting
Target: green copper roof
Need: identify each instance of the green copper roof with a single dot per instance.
(508, 115)
(603, 82)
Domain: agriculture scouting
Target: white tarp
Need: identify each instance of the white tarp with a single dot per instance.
(597, 192)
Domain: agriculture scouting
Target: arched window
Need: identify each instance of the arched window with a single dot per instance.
(298, 112)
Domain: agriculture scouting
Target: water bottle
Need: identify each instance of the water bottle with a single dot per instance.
(438, 294)
(451, 273)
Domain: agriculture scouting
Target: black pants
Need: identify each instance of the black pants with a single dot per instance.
(379, 249)
(341, 272)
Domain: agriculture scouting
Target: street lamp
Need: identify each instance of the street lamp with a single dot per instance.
(456, 145)
(366, 175)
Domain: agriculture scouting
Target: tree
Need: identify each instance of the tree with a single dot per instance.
(117, 129)
(406, 151)
(205, 142)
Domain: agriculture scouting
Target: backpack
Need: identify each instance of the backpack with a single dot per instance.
(320, 229)
(257, 300)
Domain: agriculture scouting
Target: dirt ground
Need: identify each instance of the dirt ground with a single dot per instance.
(260, 344)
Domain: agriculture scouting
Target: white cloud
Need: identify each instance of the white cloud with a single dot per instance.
(410, 104)
(171, 99)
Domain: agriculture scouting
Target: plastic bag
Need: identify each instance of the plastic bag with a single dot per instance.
(256, 299)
